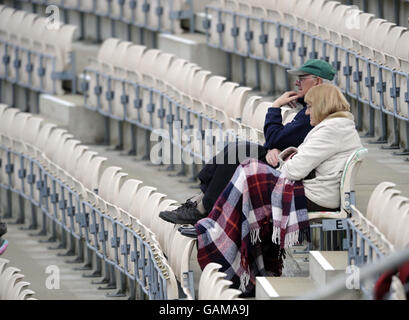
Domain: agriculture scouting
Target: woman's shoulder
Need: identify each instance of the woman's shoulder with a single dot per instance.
(338, 121)
(334, 127)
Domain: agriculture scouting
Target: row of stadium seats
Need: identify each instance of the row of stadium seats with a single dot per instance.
(214, 286)
(12, 286)
(117, 218)
(151, 89)
(379, 233)
(371, 54)
(33, 54)
(162, 15)
(385, 222)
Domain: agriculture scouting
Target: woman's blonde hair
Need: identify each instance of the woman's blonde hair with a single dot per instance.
(325, 99)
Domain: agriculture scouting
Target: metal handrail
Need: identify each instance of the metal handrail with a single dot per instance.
(367, 272)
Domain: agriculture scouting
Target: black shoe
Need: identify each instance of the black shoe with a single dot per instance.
(187, 213)
(188, 231)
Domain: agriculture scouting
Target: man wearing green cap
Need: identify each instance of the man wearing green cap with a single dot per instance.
(214, 177)
(279, 137)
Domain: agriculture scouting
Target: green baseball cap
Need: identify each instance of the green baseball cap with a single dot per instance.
(316, 67)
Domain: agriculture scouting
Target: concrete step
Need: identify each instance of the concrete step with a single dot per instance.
(272, 288)
(326, 265)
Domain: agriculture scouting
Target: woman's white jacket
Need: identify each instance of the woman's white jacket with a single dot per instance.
(326, 149)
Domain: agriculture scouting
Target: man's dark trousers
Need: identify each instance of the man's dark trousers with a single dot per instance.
(216, 175)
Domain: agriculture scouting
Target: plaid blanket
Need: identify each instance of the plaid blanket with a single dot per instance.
(257, 216)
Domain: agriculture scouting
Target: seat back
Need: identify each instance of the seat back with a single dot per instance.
(72, 160)
(180, 254)
(127, 193)
(107, 49)
(138, 202)
(210, 269)
(133, 57)
(107, 181)
(6, 120)
(152, 204)
(349, 175)
(32, 130)
(224, 94)
(249, 109)
(236, 102)
(377, 193)
(19, 123)
(259, 116)
(90, 175)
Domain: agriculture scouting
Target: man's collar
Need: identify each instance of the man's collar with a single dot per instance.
(301, 101)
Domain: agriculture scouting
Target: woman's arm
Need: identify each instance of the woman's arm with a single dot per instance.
(320, 146)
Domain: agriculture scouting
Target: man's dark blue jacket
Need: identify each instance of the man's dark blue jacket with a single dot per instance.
(292, 134)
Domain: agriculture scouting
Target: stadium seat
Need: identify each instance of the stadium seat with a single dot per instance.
(94, 96)
(216, 18)
(6, 280)
(82, 164)
(108, 181)
(126, 194)
(236, 101)
(347, 187)
(384, 201)
(71, 161)
(249, 110)
(391, 42)
(89, 179)
(390, 220)
(400, 219)
(401, 53)
(162, 228)
(58, 44)
(402, 234)
(377, 193)
(214, 90)
(183, 82)
(16, 130)
(214, 279)
(149, 209)
(32, 130)
(18, 291)
(196, 88)
(5, 18)
(207, 273)
(179, 258)
(13, 38)
(139, 200)
(56, 137)
(259, 116)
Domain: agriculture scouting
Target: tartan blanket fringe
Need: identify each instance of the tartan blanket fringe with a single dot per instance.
(290, 240)
(258, 215)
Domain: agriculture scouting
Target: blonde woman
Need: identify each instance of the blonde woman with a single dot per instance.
(263, 211)
(322, 156)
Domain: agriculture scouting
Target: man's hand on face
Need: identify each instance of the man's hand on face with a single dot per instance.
(272, 157)
(288, 98)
